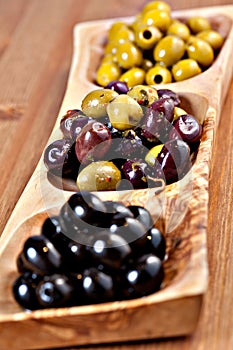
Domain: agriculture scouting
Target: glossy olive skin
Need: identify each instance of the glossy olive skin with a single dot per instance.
(169, 50)
(142, 215)
(147, 36)
(92, 142)
(67, 120)
(134, 172)
(158, 75)
(24, 290)
(179, 29)
(133, 76)
(143, 94)
(167, 93)
(187, 128)
(128, 55)
(173, 160)
(185, 69)
(119, 86)
(99, 176)
(77, 125)
(94, 103)
(144, 277)
(156, 242)
(107, 72)
(201, 51)
(40, 256)
(212, 37)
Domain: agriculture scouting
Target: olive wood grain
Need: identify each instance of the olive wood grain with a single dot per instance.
(180, 210)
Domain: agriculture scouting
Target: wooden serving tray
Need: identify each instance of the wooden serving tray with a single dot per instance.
(180, 210)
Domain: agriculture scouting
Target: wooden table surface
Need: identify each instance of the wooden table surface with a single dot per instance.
(35, 56)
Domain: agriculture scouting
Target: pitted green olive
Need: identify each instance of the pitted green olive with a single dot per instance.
(95, 102)
(133, 76)
(107, 72)
(128, 55)
(185, 69)
(124, 112)
(99, 176)
(147, 36)
(212, 37)
(143, 94)
(200, 51)
(158, 75)
(169, 50)
(157, 18)
(179, 29)
(198, 24)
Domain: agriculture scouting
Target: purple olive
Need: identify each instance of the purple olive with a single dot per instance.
(166, 93)
(187, 128)
(67, 120)
(118, 86)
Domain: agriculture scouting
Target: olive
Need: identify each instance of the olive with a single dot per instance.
(124, 112)
(108, 58)
(147, 64)
(24, 290)
(212, 37)
(153, 154)
(142, 215)
(55, 291)
(128, 55)
(92, 142)
(115, 28)
(158, 75)
(144, 277)
(156, 242)
(99, 176)
(156, 5)
(167, 93)
(201, 51)
(185, 69)
(173, 160)
(117, 213)
(97, 285)
(130, 144)
(179, 29)
(123, 34)
(178, 111)
(77, 126)
(158, 18)
(94, 103)
(169, 50)
(110, 49)
(67, 120)
(109, 249)
(119, 86)
(187, 128)
(107, 72)
(134, 172)
(147, 36)
(143, 94)
(133, 76)
(198, 24)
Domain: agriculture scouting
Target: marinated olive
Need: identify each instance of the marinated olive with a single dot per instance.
(124, 112)
(143, 94)
(169, 50)
(134, 172)
(67, 120)
(153, 154)
(107, 72)
(92, 142)
(94, 103)
(158, 75)
(99, 176)
(119, 86)
(167, 93)
(185, 69)
(187, 128)
(178, 111)
(133, 76)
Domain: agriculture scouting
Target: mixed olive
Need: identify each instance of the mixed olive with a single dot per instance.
(158, 49)
(94, 251)
(125, 138)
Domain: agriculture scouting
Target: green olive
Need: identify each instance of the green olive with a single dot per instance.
(178, 112)
(212, 37)
(157, 18)
(107, 72)
(198, 24)
(95, 102)
(169, 50)
(185, 69)
(143, 94)
(128, 55)
(156, 5)
(110, 48)
(147, 64)
(147, 36)
(158, 75)
(124, 112)
(133, 76)
(109, 57)
(153, 154)
(179, 29)
(115, 28)
(99, 176)
(122, 35)
(200, 51)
